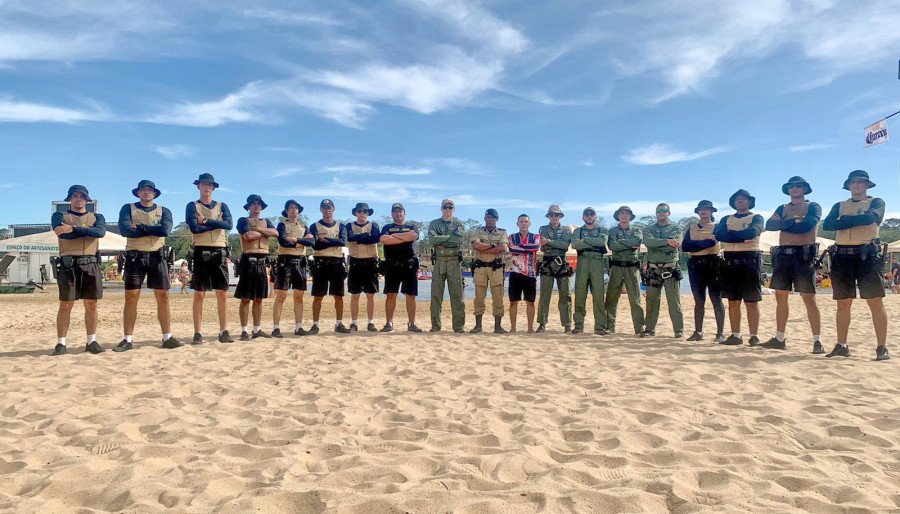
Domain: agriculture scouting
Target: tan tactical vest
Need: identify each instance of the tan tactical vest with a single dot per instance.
(257, 246)
(735, 223)
(296, 230)
(497, 237)
(217, 238)
(146, 243)
(699, 234)
(362, 251)
(329, 232)
(82, 245)
(796, 212)
(856, 236)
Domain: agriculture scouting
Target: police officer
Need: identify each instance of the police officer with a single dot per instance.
(209, 222)
(662, 240)
(740, 280)
(857, 260)
(489, 243)
(400, 267)
(704, 268)
(362, 243)
(446, 234)
(793, 260)
(590, 242)
(290, 267)
(146, 226)
(328, 266)
(78, 266)
(253, 281)
(555, 240)
(624, 241)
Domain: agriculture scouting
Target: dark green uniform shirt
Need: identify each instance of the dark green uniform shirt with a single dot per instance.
(656, 238)
(589, 239)
(625, 244)
(559, 239)
(446, 236)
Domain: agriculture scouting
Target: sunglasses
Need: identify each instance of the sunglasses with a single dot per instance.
(661, 210)
(447, 207)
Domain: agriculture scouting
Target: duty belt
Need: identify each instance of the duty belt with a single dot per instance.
(291, 258)
(654, 265)
(848, 250)
(624, 264)
(589, 250)
(71, 260)
(494, 264)
(710, 257)
(735, 262)
(791, 250)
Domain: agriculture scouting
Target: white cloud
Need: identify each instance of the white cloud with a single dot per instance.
(810, 147)
(369, 169)
(474, 22)
(657, 153)
(587, 163)
(287, 172)
(27, 112)
(458, 165)
(175, 151)
(283, 17)
(231, 108)
(351, 190)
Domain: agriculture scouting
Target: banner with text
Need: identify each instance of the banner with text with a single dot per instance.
(876, 133)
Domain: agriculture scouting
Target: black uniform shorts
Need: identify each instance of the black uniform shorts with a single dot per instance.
(328, 275)
(740, 277)
(149, 265)
(290, 273)
(401, 277)
(253, 281)
(363, 276)
(793, 271)
(210, 269)
(522, 286)
(80, 281)
(849, 272)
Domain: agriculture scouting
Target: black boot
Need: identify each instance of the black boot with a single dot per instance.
(477, 328)
(498, 329)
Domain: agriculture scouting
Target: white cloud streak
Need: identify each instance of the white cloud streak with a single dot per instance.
(28, 112)
(175, 151)
(809, 147)
(656, 153)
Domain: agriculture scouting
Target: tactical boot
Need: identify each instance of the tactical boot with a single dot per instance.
(276, 333)
(171, 343)
(388, 327)
(567, 330)
(601, 332)
(435, 328)
(59, 349)
(123, 346)
(775, 344)
(371, 327)
(540, 328)
(94, 347)
(733, 340)
(575, 331)
(817, 347)
(477, 328)
(754, 341)
(881, 353)
(839, 351)
(648, 333)
(225, 337)
(341, 329)
(498, 329)
(679, 335)
(354, 327)
(245, 336)
(198, 338)
(696, 336)
(260, 333)
(411, 327)
(459, 330)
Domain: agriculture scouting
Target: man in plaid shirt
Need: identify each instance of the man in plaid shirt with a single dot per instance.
(523, 249)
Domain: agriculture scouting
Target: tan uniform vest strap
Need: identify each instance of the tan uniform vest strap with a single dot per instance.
(295, 230)
(333, 232)
(216, 238)
(146, 243)
(796, 212)
(257, 246)
(497, 237)
(700, 233)
(82, 245)
(735, 223)
(856, 236)
(362, 251)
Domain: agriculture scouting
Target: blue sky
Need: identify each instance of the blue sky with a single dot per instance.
(512, 105)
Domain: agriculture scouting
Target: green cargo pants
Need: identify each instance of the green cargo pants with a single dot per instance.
(589, 278)
(565, 300)
(447, 269)
(630, 277)
(673, 298)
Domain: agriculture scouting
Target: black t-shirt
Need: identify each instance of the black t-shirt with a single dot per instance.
(401, 252)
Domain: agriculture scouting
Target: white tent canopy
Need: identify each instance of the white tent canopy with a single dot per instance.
(47, 242)
(895, 246)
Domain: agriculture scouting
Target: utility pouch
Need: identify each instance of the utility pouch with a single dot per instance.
(433, 257)
(654, 278)
(497, 264)
(677, 274)
(206, 256)
(54, 261)
(67, 261)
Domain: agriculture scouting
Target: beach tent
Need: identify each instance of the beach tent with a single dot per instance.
(894, 247)
(34, 250)
(769, 238)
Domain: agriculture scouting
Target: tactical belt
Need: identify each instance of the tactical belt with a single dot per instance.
(654, 265)
(494, 264)
(589, 250)
(291, 259)
(709, 257)
(793, 249)
(848, 250)
(741, 262)
(71, 260)
(624, 264)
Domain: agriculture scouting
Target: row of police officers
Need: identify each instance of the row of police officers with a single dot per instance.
(724, 262)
